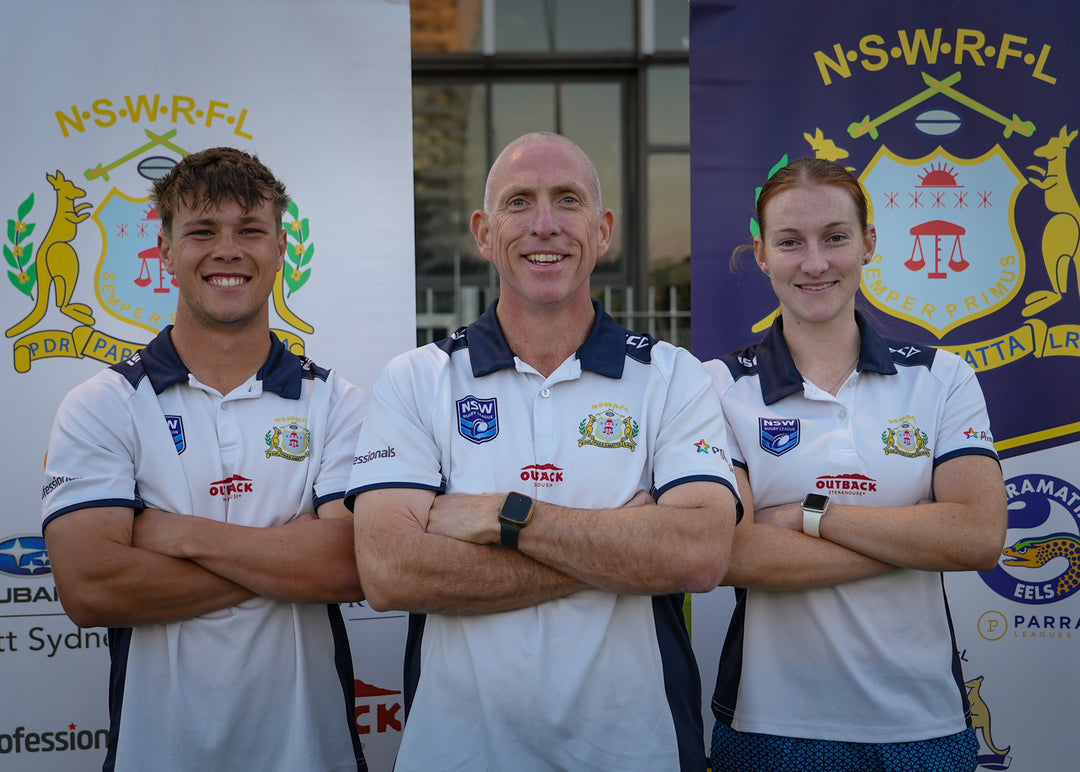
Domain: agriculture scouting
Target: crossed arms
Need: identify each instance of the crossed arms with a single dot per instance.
(962, 529)
(426, 553)
(115, 569)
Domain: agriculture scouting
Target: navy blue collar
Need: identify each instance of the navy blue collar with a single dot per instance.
(282, 372)
(603, 352)
(779, 376)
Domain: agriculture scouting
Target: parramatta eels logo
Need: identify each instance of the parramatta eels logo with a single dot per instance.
(289, 440)
(52, 317)
(610, 427)
(24, 556)
(1041, 560)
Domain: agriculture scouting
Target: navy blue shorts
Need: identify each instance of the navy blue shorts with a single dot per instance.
(748, 752)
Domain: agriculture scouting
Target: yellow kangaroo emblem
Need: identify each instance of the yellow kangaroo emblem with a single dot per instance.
(1061, 236)
(980, 716)
(58, 263)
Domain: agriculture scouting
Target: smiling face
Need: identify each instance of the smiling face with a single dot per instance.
(813, 248)
(543, 227)
(225, 261)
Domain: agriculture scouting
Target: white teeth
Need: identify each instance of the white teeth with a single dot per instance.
(537, 258)
(227, 281)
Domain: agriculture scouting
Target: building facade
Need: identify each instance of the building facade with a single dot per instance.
(614, 76)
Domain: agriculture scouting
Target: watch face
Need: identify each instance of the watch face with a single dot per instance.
(815, 502)
(516, 508)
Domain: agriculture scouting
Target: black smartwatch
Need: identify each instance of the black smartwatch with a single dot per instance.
(514, 515)
(814, 507)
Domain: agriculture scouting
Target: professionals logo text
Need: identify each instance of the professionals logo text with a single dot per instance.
(70, 738)
(372, 455)
(55, 483)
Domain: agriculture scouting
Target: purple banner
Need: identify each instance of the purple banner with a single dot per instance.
(960, 119)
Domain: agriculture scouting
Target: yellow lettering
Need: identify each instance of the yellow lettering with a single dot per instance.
(1038, 71)
(1006, 50)
(970, 41)
(928, 311)
(142, 102)
(872, 47)
(183, 105)
(212, 112)
(238, 131)
(910, 48)
(74, 120)
(106, 116)
(839, 65)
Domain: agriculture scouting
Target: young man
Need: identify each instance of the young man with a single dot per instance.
(545, 583)
(195, 508)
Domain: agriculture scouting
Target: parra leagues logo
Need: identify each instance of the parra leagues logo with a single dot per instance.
(101, 218)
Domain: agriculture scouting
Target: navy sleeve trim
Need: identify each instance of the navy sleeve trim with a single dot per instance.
(966, 452)
(132, 503)
(318, 501)
(350, 496)
(706, 478)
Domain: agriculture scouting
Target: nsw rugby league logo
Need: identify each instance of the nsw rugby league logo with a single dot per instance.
(85, 275)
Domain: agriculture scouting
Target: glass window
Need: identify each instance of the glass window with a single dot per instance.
(564, 25)
(440, 26)
(669, 235)
(668, 112)
(590, 115)
(519, 108)
(671, 20)
(449, 156)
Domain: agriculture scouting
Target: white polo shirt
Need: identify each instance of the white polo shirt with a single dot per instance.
(592, 681)
(262, 685)
(872, 660)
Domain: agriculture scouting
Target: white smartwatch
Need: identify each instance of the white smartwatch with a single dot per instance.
(814, 507)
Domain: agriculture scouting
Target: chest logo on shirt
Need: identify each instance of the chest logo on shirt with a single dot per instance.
(176, 429)
(611, 427)
(478, 419)
(778, 435)
(851, 484)
(232, 487)
(289, 440)
(542, 475)
(904, 438)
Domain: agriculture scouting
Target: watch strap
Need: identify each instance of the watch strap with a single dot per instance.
(508, 534)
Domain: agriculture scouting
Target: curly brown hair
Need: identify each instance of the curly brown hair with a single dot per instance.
(214, 176)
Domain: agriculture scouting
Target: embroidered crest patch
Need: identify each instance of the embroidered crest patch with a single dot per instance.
(609, 428)
(478, 419)
(778, 435)
(288, 440)
(905, 438)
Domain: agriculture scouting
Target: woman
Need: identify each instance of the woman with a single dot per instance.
(866, 468)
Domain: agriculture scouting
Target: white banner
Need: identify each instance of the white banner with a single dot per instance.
(99, 98)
